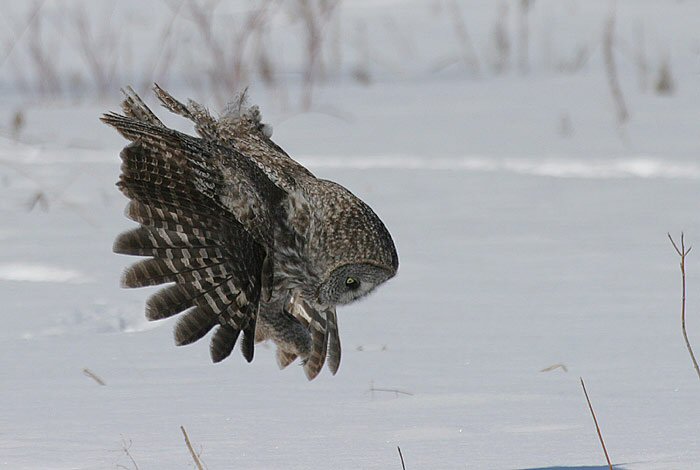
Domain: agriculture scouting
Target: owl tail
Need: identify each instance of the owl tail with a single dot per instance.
(325, 340)
(333, 342)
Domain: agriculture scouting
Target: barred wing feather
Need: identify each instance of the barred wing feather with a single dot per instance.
(205, 223)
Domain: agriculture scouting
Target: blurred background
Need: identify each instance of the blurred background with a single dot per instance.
(494, 78)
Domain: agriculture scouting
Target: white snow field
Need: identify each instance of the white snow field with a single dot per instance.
(522, 246)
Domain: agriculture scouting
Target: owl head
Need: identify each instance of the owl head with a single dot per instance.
(356, 249)
(352, 281)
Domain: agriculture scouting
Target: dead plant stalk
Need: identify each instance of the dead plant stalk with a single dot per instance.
(195, 457)
(682, 253)
(622, 113)
(403, 464)
(595, 420)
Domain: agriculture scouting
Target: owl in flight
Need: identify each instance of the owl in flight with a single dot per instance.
(247, 239)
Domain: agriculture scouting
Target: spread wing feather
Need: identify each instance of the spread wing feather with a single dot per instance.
(222, 342)
(193, 325)
(164, 165)
(134, 107)
(206, 215)
(143, 241)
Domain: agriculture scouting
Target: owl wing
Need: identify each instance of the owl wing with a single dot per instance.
(206, 222)
(241, 128)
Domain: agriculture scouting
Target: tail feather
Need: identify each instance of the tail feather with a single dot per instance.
(333, 342)
(319, 344)
(222, 342)
(193, 325)
(318, 325)
(248, 341)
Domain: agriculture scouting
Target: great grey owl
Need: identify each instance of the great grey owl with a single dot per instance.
(249, 239)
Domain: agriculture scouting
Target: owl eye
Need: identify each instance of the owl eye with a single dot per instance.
(352, 283)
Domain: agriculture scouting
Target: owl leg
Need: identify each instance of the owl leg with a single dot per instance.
(291, 338)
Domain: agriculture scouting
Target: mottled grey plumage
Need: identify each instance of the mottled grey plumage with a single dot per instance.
(250, 239)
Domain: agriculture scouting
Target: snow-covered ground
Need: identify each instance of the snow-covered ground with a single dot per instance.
(522, 245)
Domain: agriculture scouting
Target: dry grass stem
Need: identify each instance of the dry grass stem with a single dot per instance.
(682, 253)
(93, 376)
(46, 71)
(556, 366)
(640, 58)
(195, 457)
(524, 36)
(597, 428)
(99, 48)
(165, 52)
(391, 390)
(665, 84)
(395, 391)
(611, 70)
(125, 447)
(315, 16)
(21, 31)
(468, 52)
(501, 41)
(229, 64)
(403, 464)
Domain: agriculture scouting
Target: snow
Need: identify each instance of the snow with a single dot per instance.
(38, 273)
(520, 248)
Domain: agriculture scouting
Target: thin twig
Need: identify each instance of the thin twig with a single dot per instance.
(468, 53)
(389, 390)
(524, 36)
(556, 366)
(93, 376)
(125, 448)
(33, 15)
(403, 464)
(682, 252)
(164, 53)
(195, 457)
(597, 428)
